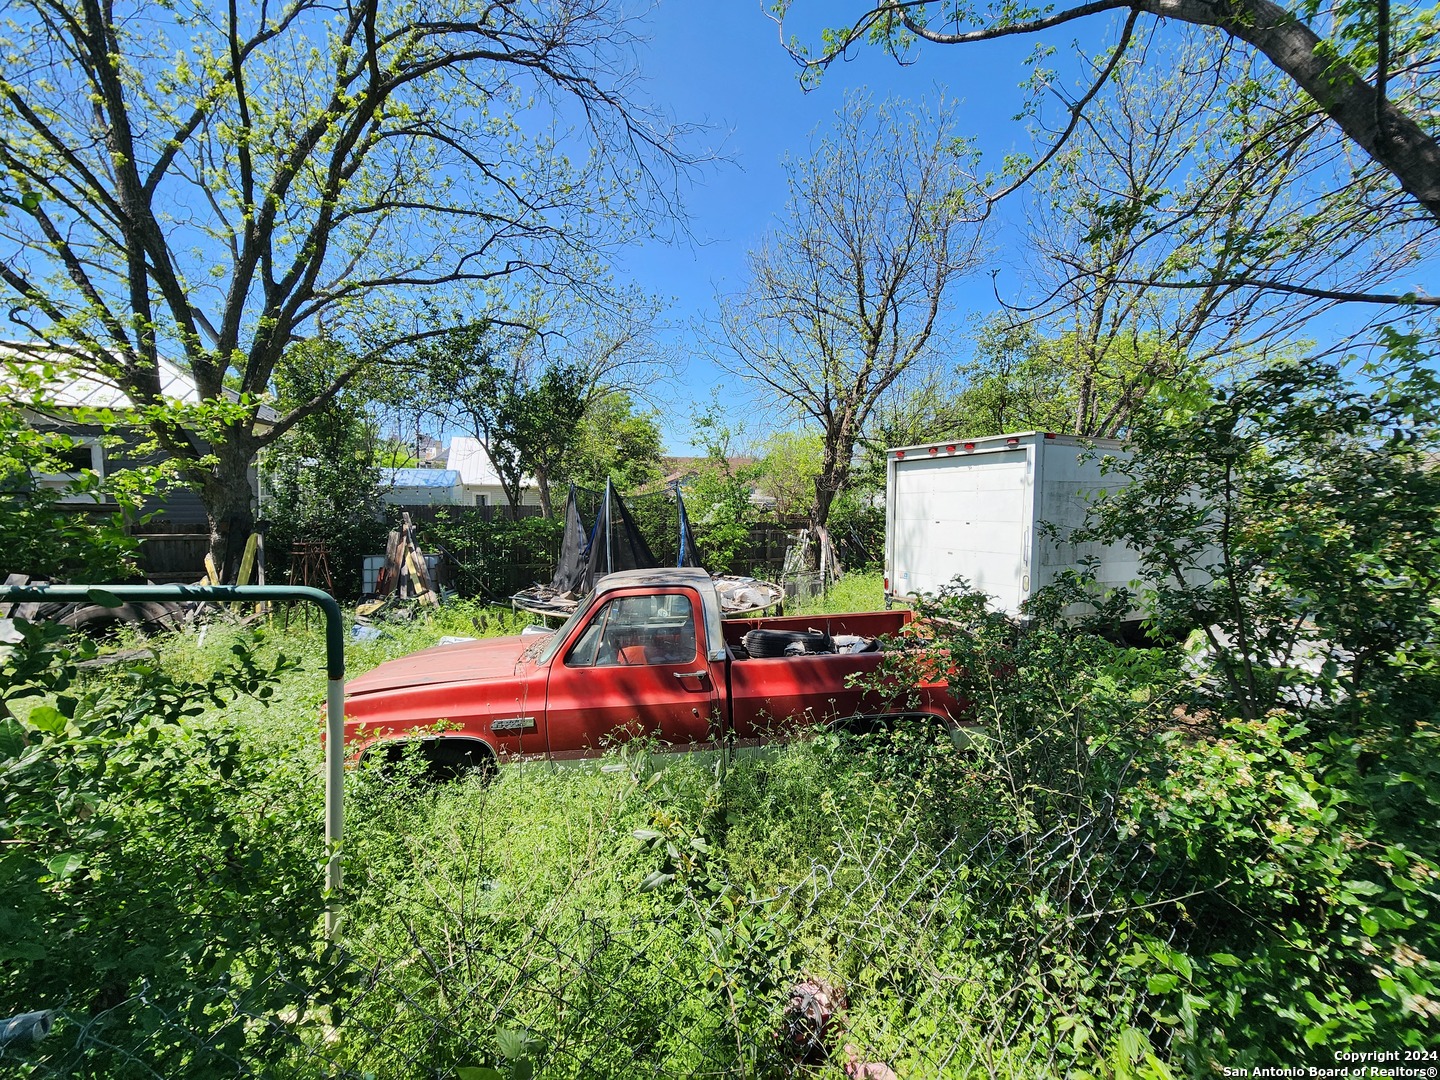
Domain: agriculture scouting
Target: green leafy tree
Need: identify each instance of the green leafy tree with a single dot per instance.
(616, 441)
(322, 480)
(1020, 381)
(479, 377)
(919, 408)
(786, 473)
(338, 170)
(548, 413)
(86, 539)
(1290, 517)
(1180, 233)
(1017, 382)
(393, 453)
(717, 496)
(788, 468)
(525, 387)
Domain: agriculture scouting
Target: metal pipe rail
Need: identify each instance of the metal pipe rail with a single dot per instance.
(334, 670)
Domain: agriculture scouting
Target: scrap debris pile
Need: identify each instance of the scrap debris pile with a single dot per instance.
(613, 542)
(404, 582)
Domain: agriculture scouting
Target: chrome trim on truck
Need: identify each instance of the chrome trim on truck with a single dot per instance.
(513, 723)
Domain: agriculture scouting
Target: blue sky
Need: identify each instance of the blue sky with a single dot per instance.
(721, 64)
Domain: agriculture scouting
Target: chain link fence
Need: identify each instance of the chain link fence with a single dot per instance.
(666, 938)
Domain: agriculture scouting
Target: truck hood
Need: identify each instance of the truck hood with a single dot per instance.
(467, 661)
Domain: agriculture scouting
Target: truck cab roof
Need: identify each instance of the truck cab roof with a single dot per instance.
(659, 577)
(670, 577)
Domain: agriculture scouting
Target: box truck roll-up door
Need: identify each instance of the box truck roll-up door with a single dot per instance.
(962, 515)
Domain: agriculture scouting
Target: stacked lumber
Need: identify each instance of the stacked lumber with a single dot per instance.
(405, 575)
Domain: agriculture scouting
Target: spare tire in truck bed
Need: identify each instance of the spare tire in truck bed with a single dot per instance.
(770, 643)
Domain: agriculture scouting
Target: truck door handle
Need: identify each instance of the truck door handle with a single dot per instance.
(692, 674)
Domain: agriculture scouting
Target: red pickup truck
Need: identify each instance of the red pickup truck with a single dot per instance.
(646, 654)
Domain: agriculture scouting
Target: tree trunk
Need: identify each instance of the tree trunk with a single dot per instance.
(542, 486)
(230, 501)
(827, 559)
(827, 485)
(1391, 137)
(509, 481)
(834, 475)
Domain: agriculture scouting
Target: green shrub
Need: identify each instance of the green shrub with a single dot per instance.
(322, 480)
(853, 592)
(41, 536)
(160, 882)
(1313, 875)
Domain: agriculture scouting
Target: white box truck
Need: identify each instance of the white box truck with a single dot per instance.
(977, 508)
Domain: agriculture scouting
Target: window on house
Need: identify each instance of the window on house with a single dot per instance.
(78, 458)
(85, 453)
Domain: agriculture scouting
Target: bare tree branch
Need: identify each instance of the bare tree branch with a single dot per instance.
(882, 218)
(1399, 139)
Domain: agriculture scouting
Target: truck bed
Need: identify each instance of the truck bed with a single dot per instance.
(862, 624)
(770, 694)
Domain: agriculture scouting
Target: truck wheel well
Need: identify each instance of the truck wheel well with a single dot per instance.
(446, 757)
(874, 723)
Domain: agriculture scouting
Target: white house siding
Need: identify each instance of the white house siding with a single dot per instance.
(479, 482)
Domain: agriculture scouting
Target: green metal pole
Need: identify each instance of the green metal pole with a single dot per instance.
(334, 670)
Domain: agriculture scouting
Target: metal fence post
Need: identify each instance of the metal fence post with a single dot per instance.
(334, 671)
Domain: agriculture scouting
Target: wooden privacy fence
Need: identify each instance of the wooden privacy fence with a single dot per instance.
(172, 552)
(483, 561)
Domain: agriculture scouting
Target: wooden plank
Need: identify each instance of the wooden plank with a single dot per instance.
(404, 582)
(388, 581)
(13, 579)
(419, 570)
(212, 575)
(263, 607)
(247, 561)
(416, 563)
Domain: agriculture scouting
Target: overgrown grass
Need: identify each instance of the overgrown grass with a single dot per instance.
(1053, 902)
(635, 913)
(853, 592)
(641, 916)
(292, 713)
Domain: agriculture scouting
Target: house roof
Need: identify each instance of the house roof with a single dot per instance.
(92, 390)
(419, 478)
(469, 458)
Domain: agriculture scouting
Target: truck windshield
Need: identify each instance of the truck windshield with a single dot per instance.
(553, 642)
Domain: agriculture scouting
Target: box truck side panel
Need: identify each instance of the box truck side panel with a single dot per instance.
(962, 516)
(1071, 484)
